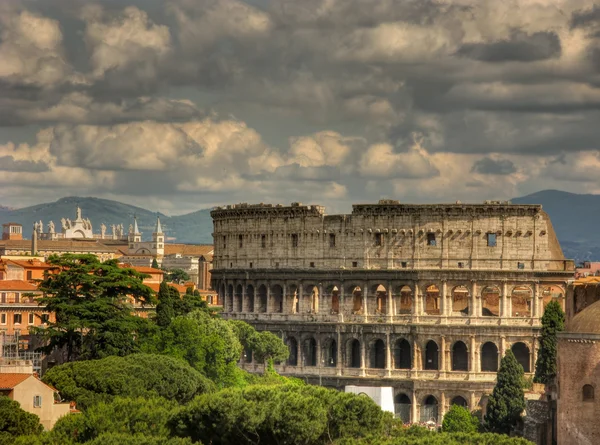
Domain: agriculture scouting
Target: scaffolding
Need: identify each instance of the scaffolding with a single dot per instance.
(14, 347)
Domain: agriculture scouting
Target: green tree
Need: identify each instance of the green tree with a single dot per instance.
(458, 419)
(90, 301)
(266, 346)
(14, 421)
(136, 375)
(178, 276)
(507, 401)
(154, 263)
(553, 321)
(168, 297)
(138, 439)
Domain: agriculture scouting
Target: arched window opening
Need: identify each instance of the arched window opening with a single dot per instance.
(314, 300)
(330, 353)
(353, 354)
(431, 356)
(377, 358)
(588, 393)
(238, 298)
(335, 300)
(249, 298)
(262, 299)
(489, 357)
(402, 355)
(277, 299)
(293, 348)
(432, 300)
(552, 293)
(406, 300)
(402, 407)
(230, 297)
(310, 352)
(460, 300)
(521, 301)
(460, 357)
(429, 410)
(381, 300)
(521, 352)
(460, 401)
(490, 300)
(357, 300)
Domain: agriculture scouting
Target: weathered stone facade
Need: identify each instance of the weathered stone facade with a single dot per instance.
(424, 298)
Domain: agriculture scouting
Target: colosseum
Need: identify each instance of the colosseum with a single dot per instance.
(421, 298)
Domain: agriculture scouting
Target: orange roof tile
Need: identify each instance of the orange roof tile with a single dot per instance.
(9, 380)
(142, 269)
(189, 249)
(156, 286)
(31, 264)
(21, 285)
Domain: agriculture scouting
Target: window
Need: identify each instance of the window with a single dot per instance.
(17, 297)
(491, 240)
(520, 265)
(263, 241)
(29, 275)
(30, 318)
(2, 318)
(276, 265)
(17, 318)
(45, 318)
(461, 265)
(294, 240)
(332, 240)
(224, 241)
(378, 239)
(241, 240)
(250, 264)
(312, 264)
(404, 264)
(354, 263)
(588, 393)
(231, 265)
(37, 401)
(431, 239)
(3, 297)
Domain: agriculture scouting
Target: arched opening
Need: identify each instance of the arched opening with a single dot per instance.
(353, 353)
(335, 300)
(293, 348)
(431, 356)
(262, 298)
(377, 354)
(460, 401)
(402, 355)
(238, 298)
(406, 300)
(432, 300)
(490, 302)
(330, 353)
(230, 297)
(489, 357)
(357, 300)
(249, 298)
(460, 300)
(521, 352)
(381, 300)
(310, 352)
(521, 301)
(429, 410)
(460, 357)
(402, 407)
(277, 299)
(587, 393)
(552, 293)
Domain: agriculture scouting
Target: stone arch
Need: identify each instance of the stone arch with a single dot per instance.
(262, 298)
(432, 356)
(552, 293)
(521, 297)
(403, 407)
(249, 299)
(406, 300)
(356, 293)
(429, 409)
(460, 300)
(293, 348)
(587, 393)
(381, 296)
(330, 348)
(432, 300)
(334, 293)
(310, 352)
(402, 354)
(489, 357)
(377, 354)
(490, 301)
(460, 401)
(353, 353)
(460, 356)
(238, 307)
(312, 292)
(276, 298)
(521, 352)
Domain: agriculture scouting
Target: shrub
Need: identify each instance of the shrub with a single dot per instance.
(459, 420)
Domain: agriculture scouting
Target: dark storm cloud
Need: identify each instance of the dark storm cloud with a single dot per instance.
(586, 18)
(9, 163)
(489, 166)
(521, 47)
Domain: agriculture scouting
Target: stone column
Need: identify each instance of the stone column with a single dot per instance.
(244, 303)
(534, 353)
(342, 303)
(473, 302)
(502, 348)
(268, 298)
(472, 364)
(414, 408)
(502, 301)
(363, 351)
(443, 354)
(388, 355)
(476, 300)
(365, 300)
(446, 306)
(417, 300)
(319, 353)
(536, 310)
(300, 296)
(339, 357)
(443, 407)
(390, 300)
(322, 306)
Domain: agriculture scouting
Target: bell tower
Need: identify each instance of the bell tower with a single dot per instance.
(158, 239)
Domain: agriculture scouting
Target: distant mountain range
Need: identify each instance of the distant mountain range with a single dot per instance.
(575, 218)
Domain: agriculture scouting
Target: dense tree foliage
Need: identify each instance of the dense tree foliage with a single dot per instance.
(264, 345)
(178, 276)
(136, 375)
(458, 419)
(553, 321)
(165, 309)
(14, 421)
(507, 401)
(154, 263)
(90, 301)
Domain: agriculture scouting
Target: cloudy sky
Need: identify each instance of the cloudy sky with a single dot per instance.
(176, 105)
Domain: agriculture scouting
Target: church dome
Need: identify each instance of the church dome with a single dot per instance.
(587, 321)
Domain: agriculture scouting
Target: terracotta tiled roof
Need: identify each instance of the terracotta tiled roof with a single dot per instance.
(156, 286)
(143, 269)
(10, 380)
(189, 249)
(57, 245)
(31, 264)
(20, 285)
